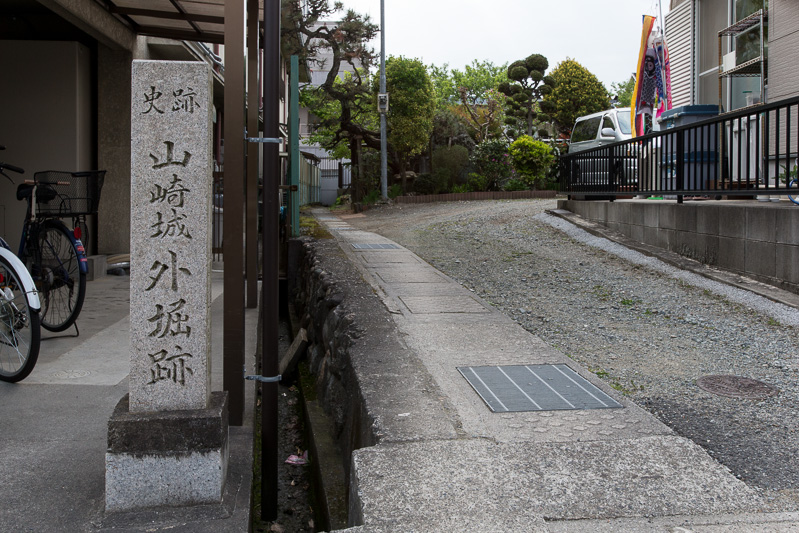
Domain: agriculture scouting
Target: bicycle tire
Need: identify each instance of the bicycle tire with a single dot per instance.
(19, 327)
(56, 271)
(794, 197)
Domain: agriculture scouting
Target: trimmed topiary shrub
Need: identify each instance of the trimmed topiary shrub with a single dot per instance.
(532, 160)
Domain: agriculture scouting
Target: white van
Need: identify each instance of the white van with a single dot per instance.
(600, 128)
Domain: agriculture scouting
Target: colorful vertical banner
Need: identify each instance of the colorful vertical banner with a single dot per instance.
(652, 92)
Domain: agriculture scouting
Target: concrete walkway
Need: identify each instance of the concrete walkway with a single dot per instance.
(463, 467)
(53, 428)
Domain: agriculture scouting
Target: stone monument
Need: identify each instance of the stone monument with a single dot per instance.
(168, 438)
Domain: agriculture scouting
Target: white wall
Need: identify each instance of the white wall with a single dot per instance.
(783, 44)
(45, 116)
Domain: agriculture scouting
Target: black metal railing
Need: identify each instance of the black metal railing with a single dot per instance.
(752, 151)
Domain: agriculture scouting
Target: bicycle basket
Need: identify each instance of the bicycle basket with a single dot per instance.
(66, 194)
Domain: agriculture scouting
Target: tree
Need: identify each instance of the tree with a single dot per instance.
(577, 93)
(411, 109)
(526, 87)
(471, 94)
(344, 43)
(623, 92)
(477, 78)
(443, 86)
(327, 111)
(449, 129)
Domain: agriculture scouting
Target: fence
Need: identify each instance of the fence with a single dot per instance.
(469, 196)
(336, 174)
(310, 184)
(744, 153)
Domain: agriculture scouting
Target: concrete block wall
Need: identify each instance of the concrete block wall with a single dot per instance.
(757, 240)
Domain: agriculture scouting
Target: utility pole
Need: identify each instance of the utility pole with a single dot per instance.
(382, 105)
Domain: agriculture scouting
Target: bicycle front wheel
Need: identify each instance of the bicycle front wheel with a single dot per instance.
(794, 194)
(61, 284)
(19, 327)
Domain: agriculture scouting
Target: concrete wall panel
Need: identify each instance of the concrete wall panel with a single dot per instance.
(760, 258)
(761, 224)
(732, 254)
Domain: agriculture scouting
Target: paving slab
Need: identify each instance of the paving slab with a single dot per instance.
(54, 428)
(651, 476)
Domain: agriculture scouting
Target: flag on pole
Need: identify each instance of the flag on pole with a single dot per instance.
(652, 92)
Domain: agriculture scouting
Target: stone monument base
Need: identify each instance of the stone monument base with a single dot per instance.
(166, 458)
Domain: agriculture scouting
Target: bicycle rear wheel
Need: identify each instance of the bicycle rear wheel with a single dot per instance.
(19, 327)
(61, 284)
(794, 194)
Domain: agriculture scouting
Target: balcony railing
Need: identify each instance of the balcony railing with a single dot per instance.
(748, 152)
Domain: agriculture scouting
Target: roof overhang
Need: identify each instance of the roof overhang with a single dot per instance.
(183, 20)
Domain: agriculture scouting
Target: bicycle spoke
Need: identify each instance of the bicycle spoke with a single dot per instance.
(62, 284)
(19, 327)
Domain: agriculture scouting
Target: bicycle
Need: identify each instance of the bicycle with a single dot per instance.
(19, 315)
(54, 254)
(792, 178)
(794, 196)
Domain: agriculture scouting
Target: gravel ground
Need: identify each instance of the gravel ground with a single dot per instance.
(646, 328)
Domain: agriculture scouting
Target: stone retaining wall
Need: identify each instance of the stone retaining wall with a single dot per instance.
(365, 377)
(322, 301)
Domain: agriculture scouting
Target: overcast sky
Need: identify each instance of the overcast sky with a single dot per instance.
(602, 35)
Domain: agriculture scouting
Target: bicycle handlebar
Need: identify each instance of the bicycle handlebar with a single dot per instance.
(12, 168)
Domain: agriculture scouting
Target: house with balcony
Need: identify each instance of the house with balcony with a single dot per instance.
(712, 187)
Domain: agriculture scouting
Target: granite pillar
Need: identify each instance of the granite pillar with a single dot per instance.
(167, 439)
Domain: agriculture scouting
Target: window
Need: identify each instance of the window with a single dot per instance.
(747, 44)
(607, 122)
(713, 16)
(624, 123)
(585, 130)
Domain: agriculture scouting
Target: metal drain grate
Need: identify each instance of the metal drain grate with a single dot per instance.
(535, 388)
(374, 246)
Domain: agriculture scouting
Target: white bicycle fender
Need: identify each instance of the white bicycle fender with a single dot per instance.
(27, 283)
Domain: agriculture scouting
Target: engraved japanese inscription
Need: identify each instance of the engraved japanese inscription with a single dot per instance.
(170, 235)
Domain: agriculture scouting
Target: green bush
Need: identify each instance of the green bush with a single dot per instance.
(461, 188)
(372, 197)
(492, 165)
(516, 184)
(477, 182)
(394, 191)
(449, 162)
(429, 184)
(532, 160)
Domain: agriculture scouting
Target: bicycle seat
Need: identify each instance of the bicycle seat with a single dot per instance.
(24, 191)
(45, 194)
